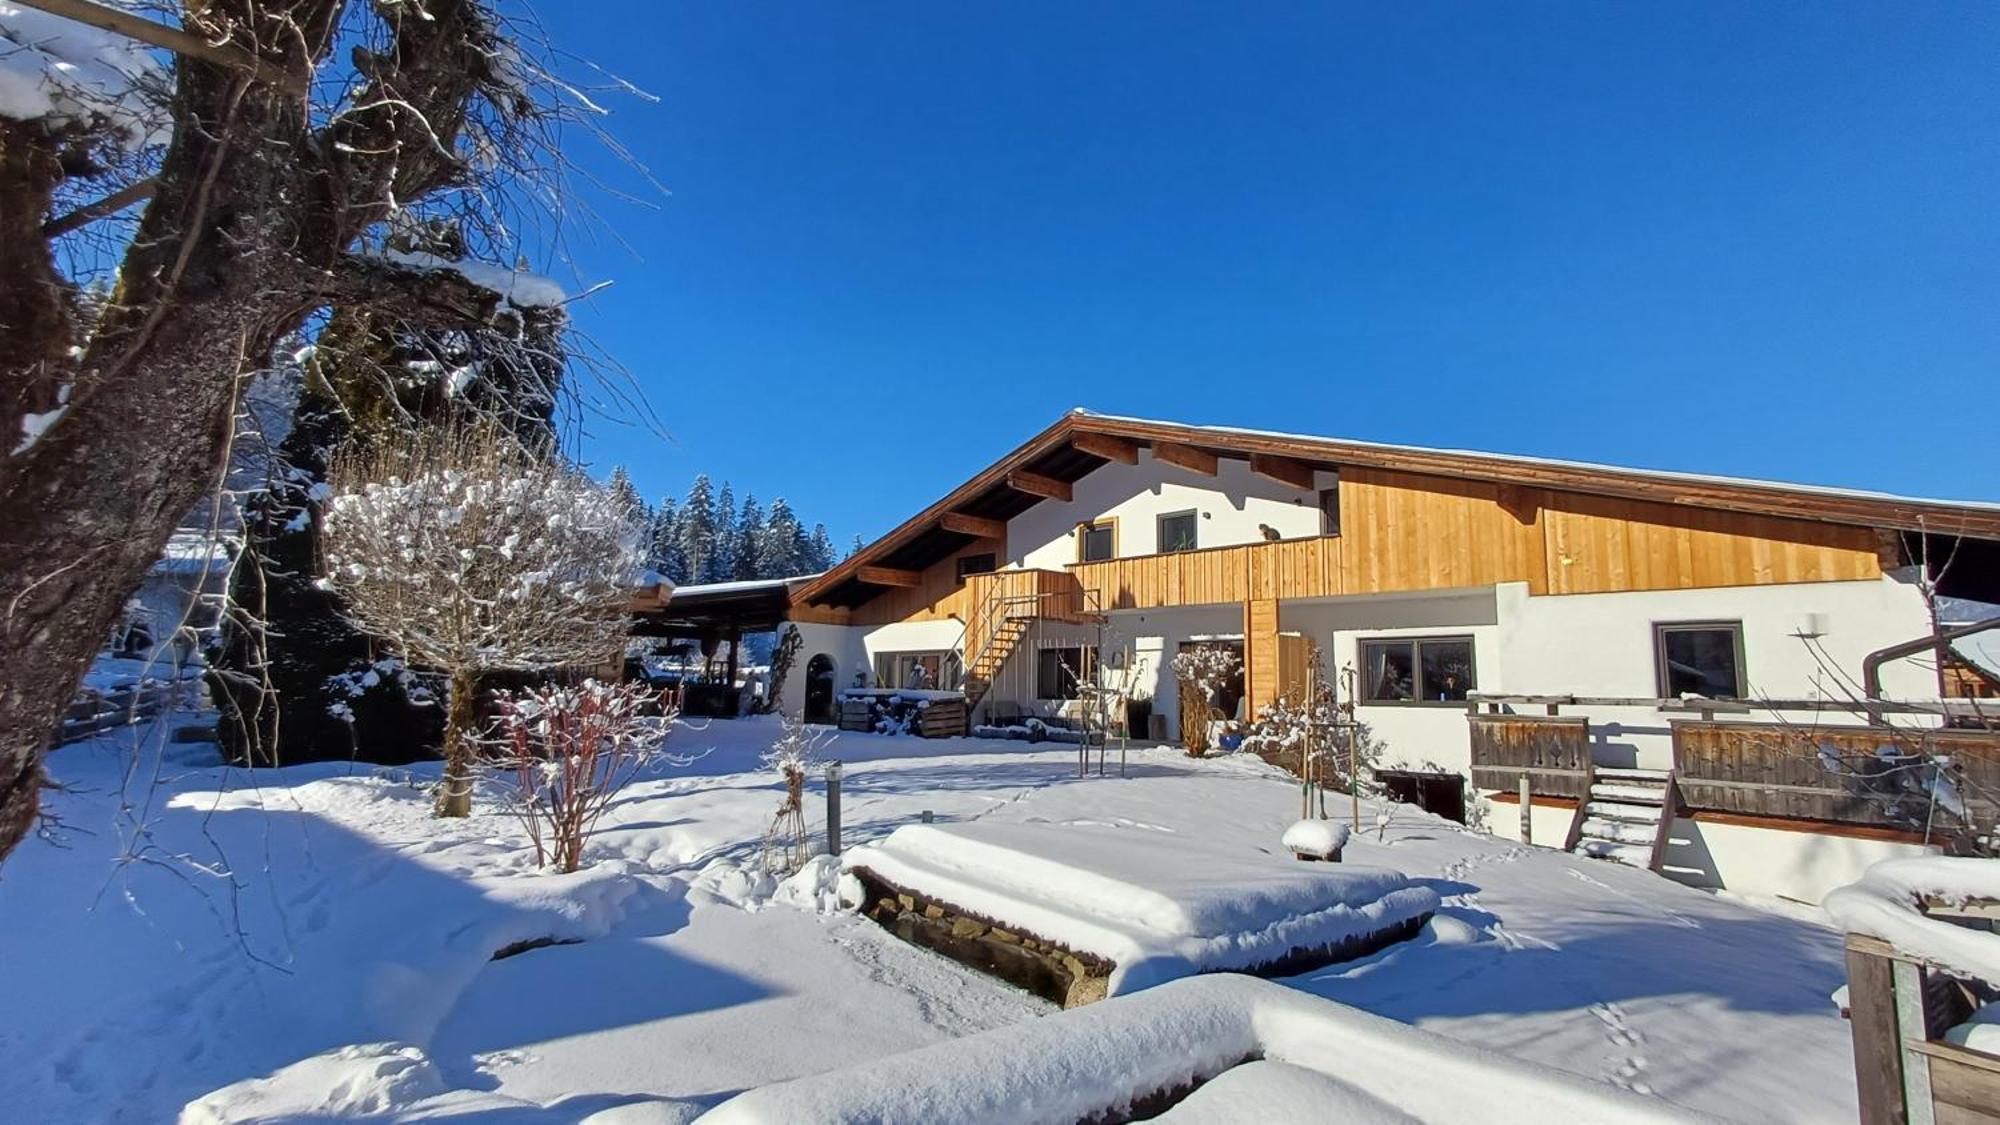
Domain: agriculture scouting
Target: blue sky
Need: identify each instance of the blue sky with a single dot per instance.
(898, 240)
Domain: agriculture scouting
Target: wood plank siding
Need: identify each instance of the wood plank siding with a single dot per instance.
(1553, 752)
(1407, 532)
(1776, 770)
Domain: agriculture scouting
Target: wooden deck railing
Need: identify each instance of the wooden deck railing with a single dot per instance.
(1553, 751)
(1867, 775)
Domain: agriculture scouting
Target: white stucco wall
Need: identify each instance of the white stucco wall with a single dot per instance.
(843, 643)
(1231, 505)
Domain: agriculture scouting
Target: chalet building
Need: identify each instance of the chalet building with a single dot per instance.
(1493, 618)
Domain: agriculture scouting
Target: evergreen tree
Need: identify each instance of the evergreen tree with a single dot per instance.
(855, 547)
(627, 497)
(778, 549)
(667, 556)
(819, 550)
(697, 531)
(748, 533)
(725, 542)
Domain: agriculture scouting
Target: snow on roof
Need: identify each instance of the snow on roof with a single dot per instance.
(1884, 904)
(518, 287)
(68, 73)
(1157, 907)
(744, 586)
(1087, 1062)
(1584, 466)
(1964, 611)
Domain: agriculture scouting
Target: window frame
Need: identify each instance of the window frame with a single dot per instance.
(1329, 520)
(945, 658)
(1160, 534)
(1083, 530)
(1086, 671)
(1662, 681)
(1416, 643)
(992, 564)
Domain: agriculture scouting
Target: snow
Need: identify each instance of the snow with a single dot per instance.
(1980, 1031)
(67, 73)
(905, 695)
(1158, 907)
(1884, 904)
(262, 942)
(1317, 1061)
(518, 287)
(744, 586)
(1318, 838)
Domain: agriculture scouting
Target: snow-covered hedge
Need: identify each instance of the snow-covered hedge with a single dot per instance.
(1885, 904)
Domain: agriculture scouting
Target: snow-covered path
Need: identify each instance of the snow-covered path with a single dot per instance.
(320, 908)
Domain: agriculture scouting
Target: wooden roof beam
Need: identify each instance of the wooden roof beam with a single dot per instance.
(1108, 446)
(1035, 484)
(1185, 456)
(973, 525)
(1284, 470)
(888, 576)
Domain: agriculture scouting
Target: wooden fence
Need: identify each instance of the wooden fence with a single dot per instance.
(1851, 775)
(1553, 751)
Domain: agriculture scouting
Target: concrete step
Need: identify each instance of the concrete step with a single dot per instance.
(1620, 831)
(1619, 810)
(1632, 855)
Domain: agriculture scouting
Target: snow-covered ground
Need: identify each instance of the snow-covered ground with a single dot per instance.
(193, 931)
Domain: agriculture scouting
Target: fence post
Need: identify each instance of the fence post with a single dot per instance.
(1527, 811)
(833, 808)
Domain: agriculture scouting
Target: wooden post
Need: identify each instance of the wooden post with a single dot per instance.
(833, 808)
(1527, 811)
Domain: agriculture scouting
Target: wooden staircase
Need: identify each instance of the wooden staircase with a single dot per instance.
(1627, 816)
(1010, 603)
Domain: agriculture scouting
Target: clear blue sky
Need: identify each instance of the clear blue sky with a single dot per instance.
(1750, 239)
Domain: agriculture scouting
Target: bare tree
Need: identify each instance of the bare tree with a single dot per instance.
(470, 555)
(271, 154)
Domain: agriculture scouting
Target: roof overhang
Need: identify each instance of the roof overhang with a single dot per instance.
(1079, 443)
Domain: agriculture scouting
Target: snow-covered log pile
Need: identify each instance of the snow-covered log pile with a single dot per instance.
(1131, 908)
(1248, 1049)
(932, 713)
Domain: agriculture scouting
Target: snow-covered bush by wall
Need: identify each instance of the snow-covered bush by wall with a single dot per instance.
(469, 555)
(1202, 671)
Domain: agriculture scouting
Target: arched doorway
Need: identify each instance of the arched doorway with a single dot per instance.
(819, 689)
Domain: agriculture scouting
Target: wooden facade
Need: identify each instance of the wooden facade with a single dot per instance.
(1776, 770)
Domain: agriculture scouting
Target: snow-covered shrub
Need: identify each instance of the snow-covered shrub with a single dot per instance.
(1201, 672)
(563, 753)
(469, 555)
(793, 755)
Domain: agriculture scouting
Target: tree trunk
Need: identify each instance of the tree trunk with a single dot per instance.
(461, 748)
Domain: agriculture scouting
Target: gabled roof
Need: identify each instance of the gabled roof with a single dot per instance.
(1080, 442)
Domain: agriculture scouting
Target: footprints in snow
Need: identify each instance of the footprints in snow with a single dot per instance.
(1625, 1040)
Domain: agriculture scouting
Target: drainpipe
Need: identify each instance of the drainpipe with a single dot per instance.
(1871, 665)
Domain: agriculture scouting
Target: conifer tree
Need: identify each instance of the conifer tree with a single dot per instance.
(778, 548)
(627, 497)
(697, 531)
(819, 550)
(748, 533)
(725, 541)
(854, 548)
(667, 556)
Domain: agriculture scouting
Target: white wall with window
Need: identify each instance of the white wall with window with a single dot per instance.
(1134, 506)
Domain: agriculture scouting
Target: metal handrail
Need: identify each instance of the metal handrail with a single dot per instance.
(1871, 665)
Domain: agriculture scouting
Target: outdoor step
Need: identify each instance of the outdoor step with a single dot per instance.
(1633, 855)
(1656, 777)
(1620, 831)
(1636, 794)
(1619, 810)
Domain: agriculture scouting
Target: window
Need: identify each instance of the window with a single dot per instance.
(974, 564)
(1098, 541)
(1063, 670)
(1700, 658)
(917, 670)
(1329, 508)
(1418, 670)
(1178, 532)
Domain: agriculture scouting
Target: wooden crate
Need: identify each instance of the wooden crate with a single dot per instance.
(857, 714)
(944, 718)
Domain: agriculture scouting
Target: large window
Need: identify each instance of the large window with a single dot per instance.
(1062, 671)
(974, 564)
(928, 671)
(1418, 670)
(1098, 541)
(1178, 532)
(1700, 658)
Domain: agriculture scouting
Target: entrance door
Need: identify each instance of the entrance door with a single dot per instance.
(819, 689)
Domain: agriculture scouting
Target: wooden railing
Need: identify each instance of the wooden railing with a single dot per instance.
(1867, 775)
(1553, 752)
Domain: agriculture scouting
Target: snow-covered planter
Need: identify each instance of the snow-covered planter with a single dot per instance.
(1316, 839)
(1889, 903)
(1215, 1048)
(1102, 910)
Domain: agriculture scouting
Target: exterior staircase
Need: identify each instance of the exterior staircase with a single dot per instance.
(991, 657)
(1627, 816)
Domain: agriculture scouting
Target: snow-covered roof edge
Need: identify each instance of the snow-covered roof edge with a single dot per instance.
(741, 587)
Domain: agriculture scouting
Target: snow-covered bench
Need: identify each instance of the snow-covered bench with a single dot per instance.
(1210, 1049)
(1079, 912)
